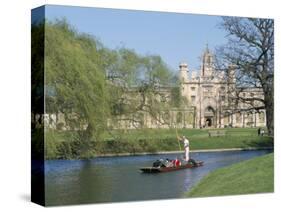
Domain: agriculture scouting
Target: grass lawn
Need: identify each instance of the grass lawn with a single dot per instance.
(61, 144)
(166, 140)
(247, 177)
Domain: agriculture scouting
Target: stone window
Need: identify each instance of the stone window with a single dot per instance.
(193, 88)
(193, 98)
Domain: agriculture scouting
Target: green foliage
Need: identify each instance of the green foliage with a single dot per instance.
(51, 144)
(75, 80)
(135, 85)
(247, 177)
(176, 97)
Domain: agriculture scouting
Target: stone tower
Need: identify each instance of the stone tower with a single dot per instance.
(207, 63)
(184, 75)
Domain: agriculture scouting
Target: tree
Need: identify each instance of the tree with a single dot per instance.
(136, 85)
(37, 72)
(75, 82)
(37, 91)
(250, 50)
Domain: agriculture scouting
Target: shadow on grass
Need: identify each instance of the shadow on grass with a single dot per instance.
(262, 142)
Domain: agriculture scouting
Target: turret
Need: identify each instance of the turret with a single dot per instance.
(194, 75)
(231, 73)
(183, 75)
(207, 63)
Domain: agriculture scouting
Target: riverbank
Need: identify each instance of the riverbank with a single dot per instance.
(247, 177)
(62, 145)
(182, 152)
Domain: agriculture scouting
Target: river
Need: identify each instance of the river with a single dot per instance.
(115, 179)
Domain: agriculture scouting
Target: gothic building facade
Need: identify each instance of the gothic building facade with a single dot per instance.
(213, 95)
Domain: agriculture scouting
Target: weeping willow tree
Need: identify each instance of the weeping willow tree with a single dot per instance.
(75, 83)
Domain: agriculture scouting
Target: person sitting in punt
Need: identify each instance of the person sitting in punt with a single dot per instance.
(168, 162)
(176, 162)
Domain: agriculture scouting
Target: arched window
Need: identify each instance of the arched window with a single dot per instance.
(209, 112)
(210, 109)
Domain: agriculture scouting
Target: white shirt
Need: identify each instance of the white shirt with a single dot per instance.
(186, 142)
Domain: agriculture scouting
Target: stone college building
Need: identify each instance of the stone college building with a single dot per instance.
(212, 95)
(211, 101)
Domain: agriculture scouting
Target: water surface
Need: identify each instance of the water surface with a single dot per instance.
(115, 179)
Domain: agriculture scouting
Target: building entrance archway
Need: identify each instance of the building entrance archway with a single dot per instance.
(209, 116)
(208, 122)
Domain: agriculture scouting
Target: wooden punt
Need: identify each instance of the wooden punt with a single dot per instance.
(169, 169)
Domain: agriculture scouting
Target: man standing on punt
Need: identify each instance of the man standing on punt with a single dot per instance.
(186, 146)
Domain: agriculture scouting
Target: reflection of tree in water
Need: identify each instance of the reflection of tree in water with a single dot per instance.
(95, 183)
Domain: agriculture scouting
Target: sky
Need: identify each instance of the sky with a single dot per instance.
(176, 37)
